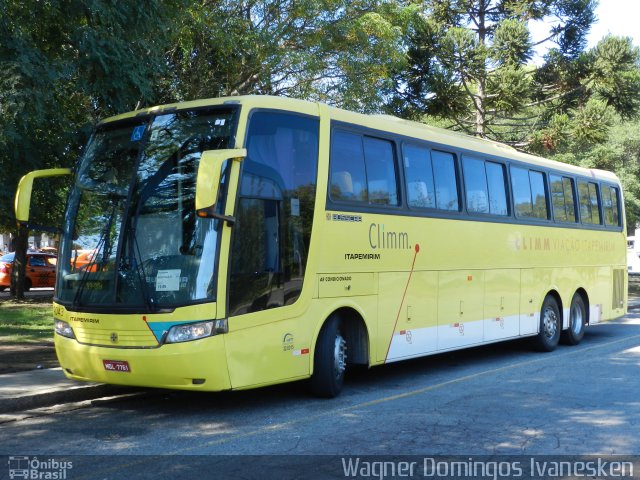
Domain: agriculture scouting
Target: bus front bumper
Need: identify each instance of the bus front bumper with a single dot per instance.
(196, 365)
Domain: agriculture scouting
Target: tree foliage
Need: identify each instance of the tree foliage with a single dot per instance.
(63, 65)
(338, 51)
(469, 61)
(619, 152)
(465, 64)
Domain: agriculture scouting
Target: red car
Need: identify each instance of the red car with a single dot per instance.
(41, 270)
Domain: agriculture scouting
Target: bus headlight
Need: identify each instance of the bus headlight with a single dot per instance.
(194, 331)
(63, 328)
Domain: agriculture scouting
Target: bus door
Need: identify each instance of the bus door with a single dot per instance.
(270, 243)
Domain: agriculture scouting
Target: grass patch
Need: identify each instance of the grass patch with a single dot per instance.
(25, 323)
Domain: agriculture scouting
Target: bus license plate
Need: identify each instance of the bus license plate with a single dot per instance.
(116, 366)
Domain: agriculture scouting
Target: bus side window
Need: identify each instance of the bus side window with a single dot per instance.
(363, 169)
(589, 204)
(485, 186)
(564, 209)
(521, 192)
(446, 181)
(348, 177)
(275, 211)
(538, 194)
(497, 188)
(419, 175)
(475, 184)
(611, 206)
(431, 178)
(382, 184)
(529, 193)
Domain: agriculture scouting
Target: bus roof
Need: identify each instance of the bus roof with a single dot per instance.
(386, 123)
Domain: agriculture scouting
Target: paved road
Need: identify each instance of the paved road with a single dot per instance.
(496, 400)
(33, 293)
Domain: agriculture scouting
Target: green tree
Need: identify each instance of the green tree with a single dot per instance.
(469, 63)
(618, 152)
(63, 65)
(339, 51)
(606, 85)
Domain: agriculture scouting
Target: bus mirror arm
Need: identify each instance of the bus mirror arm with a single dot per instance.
(211, 213)
(208, 180)
(25, 189)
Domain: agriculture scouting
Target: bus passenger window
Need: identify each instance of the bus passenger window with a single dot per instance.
(589, 207)
(485, 188)
(538, 195)
(521, 192)
(564, 209)
(381, 172)
(431, 178)
(569, 198)
(611, 209)
(529, 193)
(445, 178)
(475, 181)
(497, 190)
(419, 173)
(352, 181)
(348, 178)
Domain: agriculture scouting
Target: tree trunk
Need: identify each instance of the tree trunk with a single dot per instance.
(20, 263)
(481, 119)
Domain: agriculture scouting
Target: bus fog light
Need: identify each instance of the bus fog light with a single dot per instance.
(64, 329)
(191, 331)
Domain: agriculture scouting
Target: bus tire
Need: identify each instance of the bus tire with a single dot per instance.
(577, 321)
(550, 326)
(329, 360)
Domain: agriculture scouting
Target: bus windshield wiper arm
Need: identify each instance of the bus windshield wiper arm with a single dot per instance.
(93, 259)
(140, 271)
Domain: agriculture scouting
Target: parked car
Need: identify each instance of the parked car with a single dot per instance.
(40, 271)
(81, 258)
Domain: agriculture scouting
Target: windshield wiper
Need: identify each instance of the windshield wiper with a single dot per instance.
(106, 251)
(138, 266)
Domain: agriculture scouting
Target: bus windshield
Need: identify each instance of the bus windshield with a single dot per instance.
(132, 238)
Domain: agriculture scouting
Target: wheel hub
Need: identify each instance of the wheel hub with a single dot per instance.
(340, 355)
(550, 320)
(576, 319)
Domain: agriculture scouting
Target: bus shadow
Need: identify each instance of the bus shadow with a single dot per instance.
(363, 382)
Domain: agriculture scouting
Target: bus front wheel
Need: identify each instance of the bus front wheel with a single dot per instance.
(550, 326)
(329, 360)
(577, 321)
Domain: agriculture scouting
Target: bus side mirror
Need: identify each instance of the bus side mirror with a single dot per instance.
(25, 189)
(208, 179)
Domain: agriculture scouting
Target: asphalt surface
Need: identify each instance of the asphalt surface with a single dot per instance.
(33, 293)
(500, 399)
(496, 401)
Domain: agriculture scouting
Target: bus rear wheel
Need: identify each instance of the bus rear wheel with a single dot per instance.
(329, 360)
(577, 321)
(550, 326)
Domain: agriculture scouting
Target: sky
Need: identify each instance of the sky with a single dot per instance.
(618, 17)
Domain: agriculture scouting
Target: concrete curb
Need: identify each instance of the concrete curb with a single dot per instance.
(46, 387)
(57, 396)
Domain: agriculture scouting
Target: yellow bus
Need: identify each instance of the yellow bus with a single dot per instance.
(248, 241)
